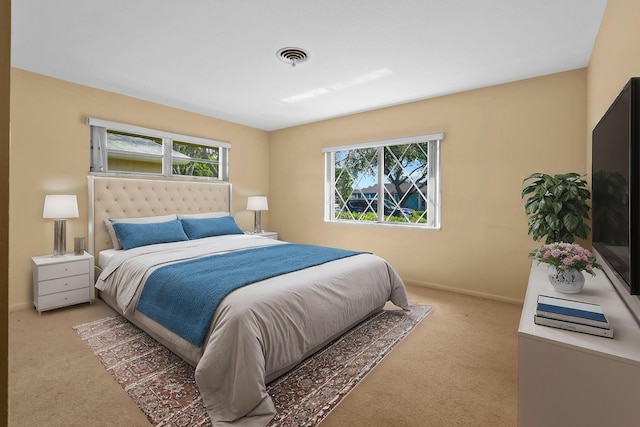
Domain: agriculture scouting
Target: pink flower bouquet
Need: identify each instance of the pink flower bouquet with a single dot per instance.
(566, 256)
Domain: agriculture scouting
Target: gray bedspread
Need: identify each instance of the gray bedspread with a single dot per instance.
(261, 330)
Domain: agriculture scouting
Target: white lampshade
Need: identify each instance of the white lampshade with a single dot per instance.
(60, 206)
(257, 203)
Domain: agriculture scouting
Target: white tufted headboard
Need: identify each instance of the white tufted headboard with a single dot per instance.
(121, 197)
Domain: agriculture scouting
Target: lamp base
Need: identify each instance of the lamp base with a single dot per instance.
(257, 224)
(59, 237)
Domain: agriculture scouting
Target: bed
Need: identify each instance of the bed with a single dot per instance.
(257, 331)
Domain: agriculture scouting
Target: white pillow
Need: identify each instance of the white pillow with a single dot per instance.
(204, 215)
(141, 220)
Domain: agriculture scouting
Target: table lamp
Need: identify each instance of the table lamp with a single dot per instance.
(60, 207)
(257, 204)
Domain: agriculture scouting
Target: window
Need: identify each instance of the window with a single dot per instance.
(124, 149)
(403, 173)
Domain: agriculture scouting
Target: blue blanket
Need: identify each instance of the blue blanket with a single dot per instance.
(184, 296)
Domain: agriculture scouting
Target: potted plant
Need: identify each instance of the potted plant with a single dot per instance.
(556, 206)
(567, 262)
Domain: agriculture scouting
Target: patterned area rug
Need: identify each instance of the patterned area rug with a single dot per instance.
(163, 385)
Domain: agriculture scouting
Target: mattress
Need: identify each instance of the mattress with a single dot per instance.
(105, 256)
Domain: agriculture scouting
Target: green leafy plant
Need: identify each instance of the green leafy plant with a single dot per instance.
(373, 217)
(556, 206)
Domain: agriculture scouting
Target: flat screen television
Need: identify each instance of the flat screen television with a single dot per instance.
(616, 193)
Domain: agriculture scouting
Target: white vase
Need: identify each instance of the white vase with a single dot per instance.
(569, 281)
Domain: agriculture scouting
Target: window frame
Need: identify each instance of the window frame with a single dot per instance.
(99, 163)
(433, 193)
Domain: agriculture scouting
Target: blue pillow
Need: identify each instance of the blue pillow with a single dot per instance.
(197, 228)
(132, 235)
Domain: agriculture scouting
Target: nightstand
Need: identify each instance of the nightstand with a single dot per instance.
(268, 234)
(59, 281)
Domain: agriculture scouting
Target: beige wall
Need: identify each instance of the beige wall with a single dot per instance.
(50, 154)
(615, 59)
(495, 137)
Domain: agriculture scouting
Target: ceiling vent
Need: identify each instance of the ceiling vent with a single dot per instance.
(292, 55)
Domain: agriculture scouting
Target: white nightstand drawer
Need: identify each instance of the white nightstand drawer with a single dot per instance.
(62, 299)
(62, 284)
(54, 271)
(59, 281)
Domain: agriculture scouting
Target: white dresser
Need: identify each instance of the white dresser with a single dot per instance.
(59, 281)
(573, 379)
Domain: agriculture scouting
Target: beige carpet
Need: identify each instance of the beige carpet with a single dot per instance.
(459, 368)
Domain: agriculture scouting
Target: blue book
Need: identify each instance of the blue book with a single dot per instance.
(572, 311)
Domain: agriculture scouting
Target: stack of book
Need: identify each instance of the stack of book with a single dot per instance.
(572, 315)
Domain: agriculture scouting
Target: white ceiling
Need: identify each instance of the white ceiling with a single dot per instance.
(218, 57)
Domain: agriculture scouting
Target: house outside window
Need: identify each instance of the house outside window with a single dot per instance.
(403, 173)
(118, 148)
